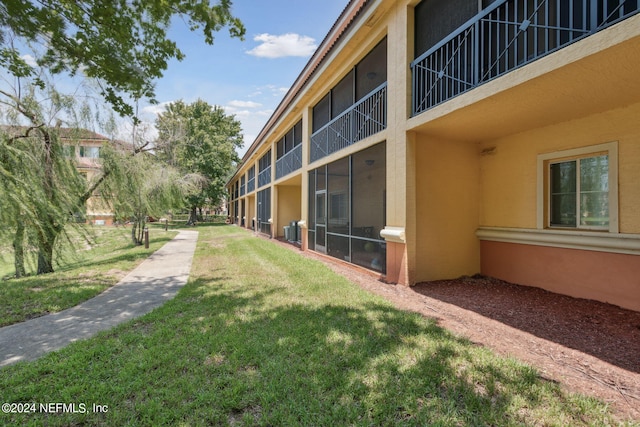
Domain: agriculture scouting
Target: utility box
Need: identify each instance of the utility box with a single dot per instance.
(293, 231)
(287, 233)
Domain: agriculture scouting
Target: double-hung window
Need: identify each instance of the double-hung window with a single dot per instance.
(90, 152)
(580, 193)
(579, 189)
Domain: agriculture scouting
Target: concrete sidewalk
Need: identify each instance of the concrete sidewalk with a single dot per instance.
(148, 286)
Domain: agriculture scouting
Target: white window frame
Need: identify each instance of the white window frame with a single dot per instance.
(544, 182)
(89, 151)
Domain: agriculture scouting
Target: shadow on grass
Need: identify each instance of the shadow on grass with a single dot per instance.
(605, 331)
(35, 296)
(125, 253)
(296, 364)
(182, 225)
(72, 283)
(218, 355)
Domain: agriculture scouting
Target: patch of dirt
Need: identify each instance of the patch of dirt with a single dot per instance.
(116, 274)
(587, 346)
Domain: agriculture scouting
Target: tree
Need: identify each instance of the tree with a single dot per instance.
(121, 43)
(42, 184)
(199, 139)
(140, 186)
(14, 211)
(123, 46)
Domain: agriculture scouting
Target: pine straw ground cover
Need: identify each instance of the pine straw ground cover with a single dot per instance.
(263, 336)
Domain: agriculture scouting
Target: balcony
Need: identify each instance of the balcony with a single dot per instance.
(264, 177)
(505, 36)
(251, 185)
(365, 118)
(290, 162)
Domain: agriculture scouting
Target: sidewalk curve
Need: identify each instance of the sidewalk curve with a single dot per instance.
(148, 286)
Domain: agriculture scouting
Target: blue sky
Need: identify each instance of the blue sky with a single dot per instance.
(247, 78)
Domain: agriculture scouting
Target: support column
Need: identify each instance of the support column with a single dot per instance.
(273, 215)
(304, 197)
(399, 230)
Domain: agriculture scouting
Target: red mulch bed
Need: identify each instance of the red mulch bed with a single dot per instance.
(587, 346)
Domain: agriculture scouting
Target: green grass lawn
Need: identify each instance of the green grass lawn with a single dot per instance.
(263, 336)
(84, 271)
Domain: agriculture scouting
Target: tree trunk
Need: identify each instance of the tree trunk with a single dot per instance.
(137, 230)
(45, 255)
(133, 232)
(141, 224)
(49, 234)
(18, 250)
(192, 216)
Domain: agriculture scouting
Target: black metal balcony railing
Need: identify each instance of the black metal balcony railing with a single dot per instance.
(507, 35)
(365, 118)
(289, 162)
(264, 177)
(251, 185)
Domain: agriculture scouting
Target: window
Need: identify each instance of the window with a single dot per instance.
(90, 152)
(580, 188)
(580, 193)
(69, 150)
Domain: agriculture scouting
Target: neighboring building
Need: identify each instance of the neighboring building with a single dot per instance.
(85, 147)
(432, 139)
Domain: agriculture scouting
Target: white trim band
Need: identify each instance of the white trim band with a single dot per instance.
(583, 240)
(393, 234)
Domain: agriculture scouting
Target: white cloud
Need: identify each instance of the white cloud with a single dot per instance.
(249, 115)
(244, 104)
(156, 109)
(277, 91)
(30, 60)
(238, 113)
(289, 44)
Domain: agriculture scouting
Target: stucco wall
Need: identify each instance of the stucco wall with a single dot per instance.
(606, 277)
(447, 198)
(251, 211)
(508, 168)
(289, 206)
(508, 173)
